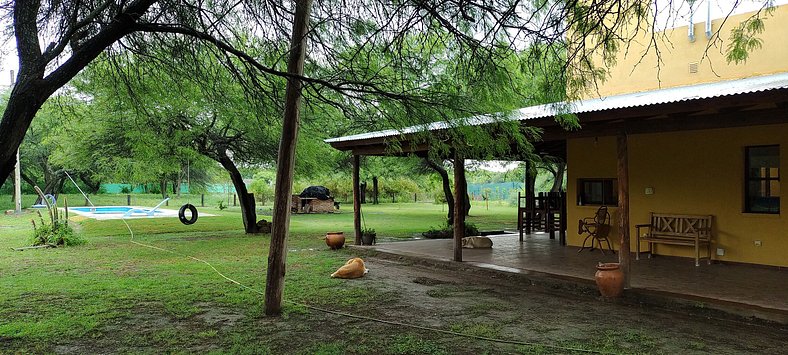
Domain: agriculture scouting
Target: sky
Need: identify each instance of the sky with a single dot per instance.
(675, 13)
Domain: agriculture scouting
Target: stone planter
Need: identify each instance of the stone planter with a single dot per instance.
(335, 240)
(609, 279)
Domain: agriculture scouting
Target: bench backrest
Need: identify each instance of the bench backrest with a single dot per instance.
(679, 225)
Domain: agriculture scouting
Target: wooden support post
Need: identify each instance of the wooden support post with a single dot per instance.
(460, 195)
(623, 205)
(530, 204)
(235, 198)
(520, 214)
(356, 201)
(562, 233)
(128, 199)
(275, 279)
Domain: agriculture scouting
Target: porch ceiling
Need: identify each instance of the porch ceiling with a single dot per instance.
(744, 102)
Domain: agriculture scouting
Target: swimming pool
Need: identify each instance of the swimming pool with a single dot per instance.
(108, 209)
(118, 212)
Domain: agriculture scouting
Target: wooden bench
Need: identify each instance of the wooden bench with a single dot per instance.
(677, 229)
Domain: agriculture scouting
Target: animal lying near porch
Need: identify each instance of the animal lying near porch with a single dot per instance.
(477, 242)
(353, 269)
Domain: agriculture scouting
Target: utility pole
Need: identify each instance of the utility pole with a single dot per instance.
(17, 172)
(18, 185)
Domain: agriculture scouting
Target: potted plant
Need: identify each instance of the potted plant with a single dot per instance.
(368, 236)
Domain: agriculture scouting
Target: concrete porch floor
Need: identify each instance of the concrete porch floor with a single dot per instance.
(748, 286)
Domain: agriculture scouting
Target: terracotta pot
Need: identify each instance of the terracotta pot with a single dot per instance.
(335, 240)
(610, 280)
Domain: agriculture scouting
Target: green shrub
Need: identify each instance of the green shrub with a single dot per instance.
(262, 186)
(221, 205)
(59, 234)
(125, 190)
(447, 231)
(471, 229)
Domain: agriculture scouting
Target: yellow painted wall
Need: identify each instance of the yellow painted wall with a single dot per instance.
(693, 172)
(677, 53)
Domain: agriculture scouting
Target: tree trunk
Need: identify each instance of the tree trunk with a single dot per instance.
(466, 201)
(530, 180)
(163, 187)
(53, 182)
(248, 208)
(558, 178)
(93, 186)
(286, 160)
(375, 190)
(446, 187)
(28, 180)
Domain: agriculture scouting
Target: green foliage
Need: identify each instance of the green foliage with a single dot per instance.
(398, 187)
(447, 231)
(221, 206)
(744, 39)
(262, 185)
(57, 233)
(340, 185)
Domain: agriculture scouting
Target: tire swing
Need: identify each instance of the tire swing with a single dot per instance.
(182, 214)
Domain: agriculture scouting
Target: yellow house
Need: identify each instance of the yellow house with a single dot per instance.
(728, 167)
(694, 135)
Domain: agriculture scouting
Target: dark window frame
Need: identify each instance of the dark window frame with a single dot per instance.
(582, 200)
(748, 208)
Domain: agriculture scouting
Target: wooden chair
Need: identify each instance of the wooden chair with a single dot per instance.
(597, 228)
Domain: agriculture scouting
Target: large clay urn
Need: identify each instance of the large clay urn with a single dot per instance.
(610, 279)
(335, 240)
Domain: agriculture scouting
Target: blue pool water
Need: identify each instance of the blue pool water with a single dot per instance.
(104, 210)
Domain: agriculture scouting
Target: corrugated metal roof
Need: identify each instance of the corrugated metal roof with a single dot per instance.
(638, 99)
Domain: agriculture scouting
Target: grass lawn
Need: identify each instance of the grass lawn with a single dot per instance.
(112, 296)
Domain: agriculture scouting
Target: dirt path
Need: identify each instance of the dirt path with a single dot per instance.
(481, 305)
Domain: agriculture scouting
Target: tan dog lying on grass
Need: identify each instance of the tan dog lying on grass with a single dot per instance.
(477, 243)
(353, 269)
